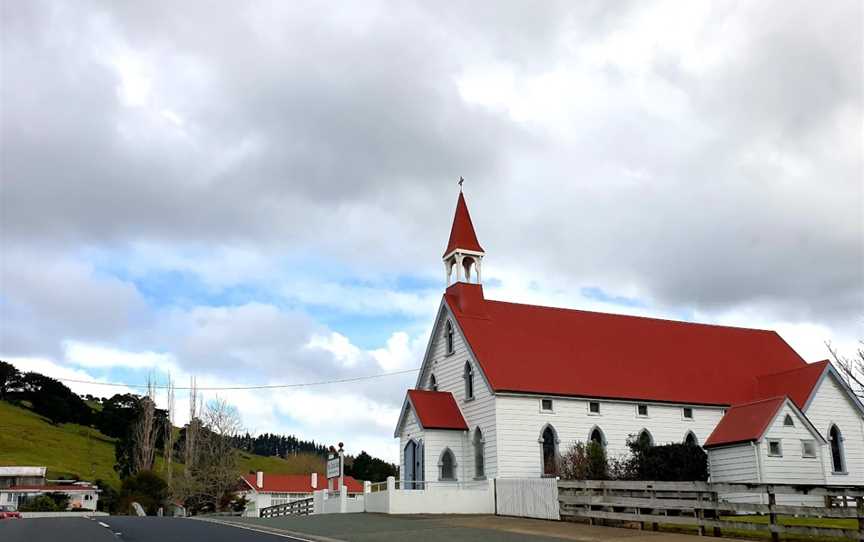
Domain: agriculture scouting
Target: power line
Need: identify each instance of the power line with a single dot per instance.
(261, 387)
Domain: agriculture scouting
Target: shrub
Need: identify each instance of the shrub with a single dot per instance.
(585, 462)
(666, 463)
(147, 489)
(50, 502)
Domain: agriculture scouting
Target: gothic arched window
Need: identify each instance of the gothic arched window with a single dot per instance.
(690, 439)
(479, 454)
(448, 336)
(835, 438)
(596, 435)
(447, 465)
(469, 381)
(549, 447)
(645, 439)
(433, 383)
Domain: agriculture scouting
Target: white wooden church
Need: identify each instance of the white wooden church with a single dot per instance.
(505, 388)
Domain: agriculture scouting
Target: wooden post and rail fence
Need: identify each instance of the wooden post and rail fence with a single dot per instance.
(301, 507)
(701, 505)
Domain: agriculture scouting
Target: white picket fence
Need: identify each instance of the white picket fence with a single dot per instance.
(527, 497)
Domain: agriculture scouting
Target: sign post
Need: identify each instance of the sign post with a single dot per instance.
(336, 467)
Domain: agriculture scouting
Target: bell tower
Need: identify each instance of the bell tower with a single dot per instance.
(464, 255)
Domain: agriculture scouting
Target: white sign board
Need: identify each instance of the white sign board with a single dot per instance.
(333, 470)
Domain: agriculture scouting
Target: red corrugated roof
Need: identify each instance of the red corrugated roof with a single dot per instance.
(745, 422)
(797, 384)
(533, 349)
(297, 483)
(462, 232)
(437, 410)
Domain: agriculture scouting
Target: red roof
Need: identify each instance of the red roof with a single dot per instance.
(297, 483)
(533, 349)
(462, 233)
(798, 383)
(437, 410)
(746, 422)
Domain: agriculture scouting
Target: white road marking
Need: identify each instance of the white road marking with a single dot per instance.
(105, 525)
(263, 531)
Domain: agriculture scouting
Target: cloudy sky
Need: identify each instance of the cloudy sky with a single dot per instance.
(260, 194)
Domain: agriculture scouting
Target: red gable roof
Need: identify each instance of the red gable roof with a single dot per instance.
(437, 410)
(462, 233)
(798, 383)
(297, 483)
(533, 349)
(746, 422)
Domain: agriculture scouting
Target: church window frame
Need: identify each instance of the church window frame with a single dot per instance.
(468, 375)
(449, 338)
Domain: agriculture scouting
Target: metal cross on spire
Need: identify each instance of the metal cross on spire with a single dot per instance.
(461, 180)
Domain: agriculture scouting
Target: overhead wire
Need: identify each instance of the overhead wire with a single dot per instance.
(253, 387)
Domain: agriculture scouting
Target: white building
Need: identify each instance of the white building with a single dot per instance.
(505, 388)
(20, 484)
(264, 489)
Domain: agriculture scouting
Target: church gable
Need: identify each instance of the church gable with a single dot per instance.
(830, 387)
(447, 355)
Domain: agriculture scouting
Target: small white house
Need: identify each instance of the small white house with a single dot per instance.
(20, 484)
(264, 489)
(504, 388)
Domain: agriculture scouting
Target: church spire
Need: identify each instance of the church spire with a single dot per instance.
(463, 250)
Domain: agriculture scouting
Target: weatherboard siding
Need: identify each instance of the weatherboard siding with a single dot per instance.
(791, 467)
(436, 442)
(479, 412)
(736, 463)
(831, 405)
(520, 423)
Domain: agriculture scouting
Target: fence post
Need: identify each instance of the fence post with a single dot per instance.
(654, 526)
(772, 514)
(700, 515)
(715, 500)
(859, 501)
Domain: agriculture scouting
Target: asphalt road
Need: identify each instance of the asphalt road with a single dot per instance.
(131, 529)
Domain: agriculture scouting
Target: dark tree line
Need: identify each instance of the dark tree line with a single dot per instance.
(278, 445)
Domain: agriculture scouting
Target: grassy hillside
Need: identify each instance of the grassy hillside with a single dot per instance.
(74, 451)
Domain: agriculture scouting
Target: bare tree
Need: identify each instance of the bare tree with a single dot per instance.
(144, 453)
(192, 428)
(168, 446)
(850, 367)
(214, 474)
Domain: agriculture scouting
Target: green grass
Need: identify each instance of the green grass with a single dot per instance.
(827, 523)
(68, 450)
(74, 451)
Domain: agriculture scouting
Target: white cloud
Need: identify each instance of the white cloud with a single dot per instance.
(91, 355)
(337, 344)
(397, 354)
